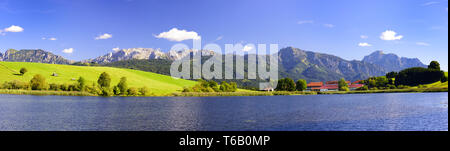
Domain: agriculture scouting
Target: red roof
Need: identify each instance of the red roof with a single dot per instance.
(336, 82)
(329, 87)
(356, 85)
(315, 84)
(357, 82)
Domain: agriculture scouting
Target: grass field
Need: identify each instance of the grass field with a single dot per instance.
(158, 84)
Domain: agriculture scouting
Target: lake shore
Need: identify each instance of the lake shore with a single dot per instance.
(227, 94)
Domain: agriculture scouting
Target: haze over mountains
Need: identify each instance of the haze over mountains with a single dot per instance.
(293, 62)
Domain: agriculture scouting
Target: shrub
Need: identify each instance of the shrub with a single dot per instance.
(106, 92)
(54, 87)
(392, 86)
(23, 71)
(104, 80)
(343, 86)
(15, 85)
(144, 91)
(73, 88)
(94, 89)
(402, 87)
(133, 92)
(444, 78)
(214, 85)
(123, 86)
(364, 88)
(38, 82)
(64, 87)
(81, 84)
(116, 90)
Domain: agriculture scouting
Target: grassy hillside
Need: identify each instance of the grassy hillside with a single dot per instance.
(158, 84)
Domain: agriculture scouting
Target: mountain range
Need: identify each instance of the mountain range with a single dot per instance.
(392, 62)
(39, 56)
(293, 62)
(143, 54)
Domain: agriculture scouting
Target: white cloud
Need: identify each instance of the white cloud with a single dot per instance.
(104, 36)
(116, 49)
(247, 48)
(13, 29)
(305, 22)
(364, 37)
(390, 35)
(68, 51)
(179, 35)
(329, 25)
(422, 44)
(51, 39)
(430, 3)
(219, 38)
(364, 44)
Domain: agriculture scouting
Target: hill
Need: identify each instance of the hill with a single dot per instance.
(158, 84)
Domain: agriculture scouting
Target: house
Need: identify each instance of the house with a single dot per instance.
(355, 86)
(314, 86)
(326, 88)
(357, 82)
(336, 82)
(332, 86)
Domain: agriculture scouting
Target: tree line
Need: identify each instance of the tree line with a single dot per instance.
(212, 86)
(415, 76)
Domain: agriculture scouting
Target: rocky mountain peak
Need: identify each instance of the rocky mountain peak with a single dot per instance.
(144, 54)
(392, 62)
(30, 55)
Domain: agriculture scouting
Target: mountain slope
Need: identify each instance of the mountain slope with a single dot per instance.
(392, 62)
(293, 63)
(300, 64)
(39, 56)
(158, 84)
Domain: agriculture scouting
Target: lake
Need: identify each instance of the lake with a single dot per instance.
(366, 112)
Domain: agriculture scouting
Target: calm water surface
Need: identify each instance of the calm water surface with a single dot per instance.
(373, 112)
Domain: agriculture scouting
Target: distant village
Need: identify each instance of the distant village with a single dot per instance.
(332, 86)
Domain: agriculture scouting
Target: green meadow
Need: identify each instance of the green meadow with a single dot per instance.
(158, 85)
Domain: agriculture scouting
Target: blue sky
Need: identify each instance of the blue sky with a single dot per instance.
(350, 29)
